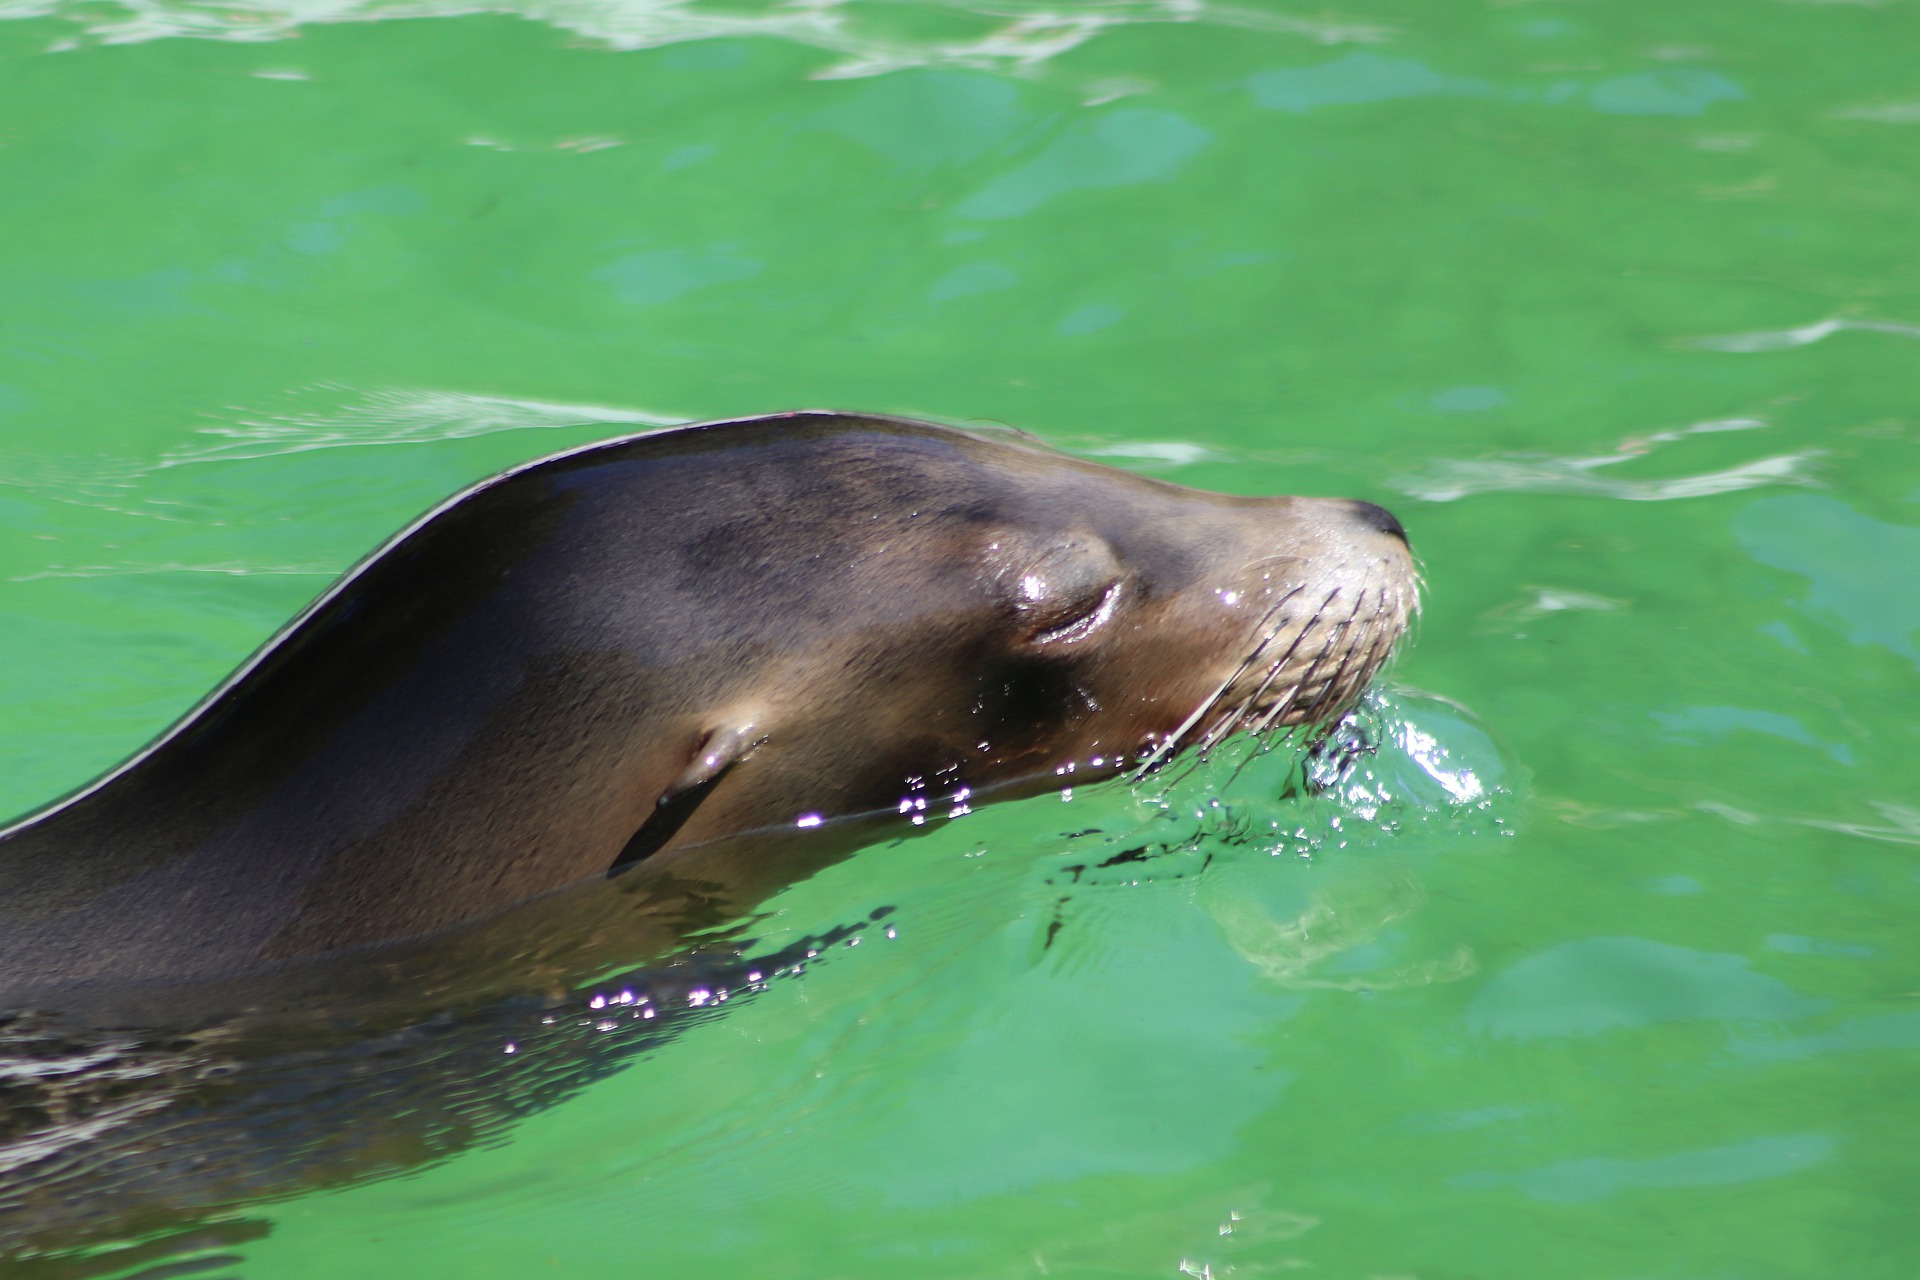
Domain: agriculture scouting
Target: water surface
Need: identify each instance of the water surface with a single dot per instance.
(1615, 305)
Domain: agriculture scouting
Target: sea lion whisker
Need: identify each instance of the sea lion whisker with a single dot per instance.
(1299, 638)
(1171, 743)
(1384, 628)
(1212, 736)
(1333, 632)
(1409, 602)
(1338, 689)
(1231, 721)
(1185, 769)
(1236, 719)
(1341, 689)
(1247, 704)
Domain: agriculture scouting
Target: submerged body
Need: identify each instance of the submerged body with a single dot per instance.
(711, 652)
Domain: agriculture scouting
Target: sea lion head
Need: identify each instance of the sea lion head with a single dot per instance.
(1004, 619)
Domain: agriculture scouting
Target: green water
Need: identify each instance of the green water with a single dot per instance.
(1618, 306)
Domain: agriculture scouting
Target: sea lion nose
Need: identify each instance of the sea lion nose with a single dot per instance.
(1378, 518)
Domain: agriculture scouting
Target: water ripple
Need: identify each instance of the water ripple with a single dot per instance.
(396, 417)
(1449, 479)
(1022, 37)
(1804, 336)
(231, 570)
(1596, 1177)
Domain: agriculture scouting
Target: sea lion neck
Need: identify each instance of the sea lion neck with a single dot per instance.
(486, 709)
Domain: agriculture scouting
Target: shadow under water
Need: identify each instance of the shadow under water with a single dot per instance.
(120, 1147)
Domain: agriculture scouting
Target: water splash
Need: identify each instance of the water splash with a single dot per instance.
(1401, 763)
(1404, 765)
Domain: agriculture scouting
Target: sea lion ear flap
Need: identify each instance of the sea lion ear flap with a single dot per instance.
(724, 746)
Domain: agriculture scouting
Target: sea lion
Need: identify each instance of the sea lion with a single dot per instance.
(364, 906)
(718, 652)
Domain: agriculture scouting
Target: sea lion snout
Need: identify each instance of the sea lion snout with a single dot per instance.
(1308, 597)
